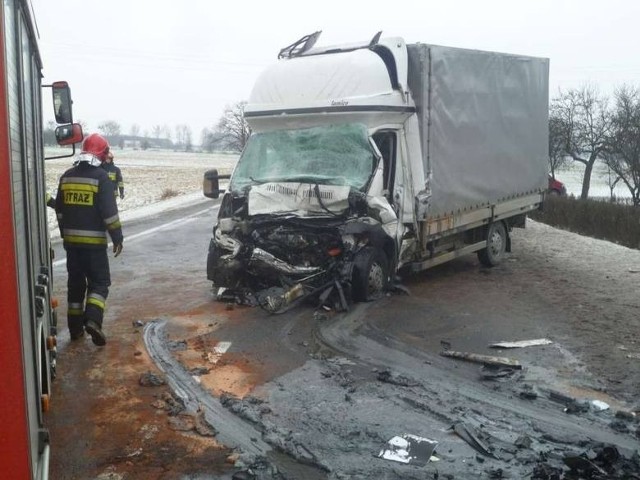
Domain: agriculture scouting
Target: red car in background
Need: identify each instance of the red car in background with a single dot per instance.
(556, 187)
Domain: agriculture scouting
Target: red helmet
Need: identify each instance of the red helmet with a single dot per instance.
(97, 145)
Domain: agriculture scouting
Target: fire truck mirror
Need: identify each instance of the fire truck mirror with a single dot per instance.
(69, 134)
(62, 102)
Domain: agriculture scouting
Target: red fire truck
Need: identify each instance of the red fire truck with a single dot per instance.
(28, 335)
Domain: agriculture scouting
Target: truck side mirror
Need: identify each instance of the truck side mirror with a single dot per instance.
(211, 184)
(69, 134)
(62, 102)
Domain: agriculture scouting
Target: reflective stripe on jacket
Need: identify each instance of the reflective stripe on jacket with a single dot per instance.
(86, 208)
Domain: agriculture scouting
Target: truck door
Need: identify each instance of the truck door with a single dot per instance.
(387, 141)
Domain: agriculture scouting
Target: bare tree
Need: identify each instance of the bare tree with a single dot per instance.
(183, 137)
(166, 132)
(623, 150)
(157, 131)
(586, 121)
(233, 128)
(557, 150)
(179, 136)
(135, 130)
(210, 139)
(110, 128)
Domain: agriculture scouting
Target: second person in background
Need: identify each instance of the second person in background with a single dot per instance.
(115, 175)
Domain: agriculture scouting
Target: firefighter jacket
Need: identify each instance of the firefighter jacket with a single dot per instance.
(86, 208)
(115, 175)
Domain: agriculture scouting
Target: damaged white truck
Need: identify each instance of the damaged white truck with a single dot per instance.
(370, 159)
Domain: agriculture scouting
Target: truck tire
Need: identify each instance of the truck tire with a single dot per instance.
(496, 245)
(370, 275)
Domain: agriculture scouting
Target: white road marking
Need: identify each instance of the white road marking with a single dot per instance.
(145, 233)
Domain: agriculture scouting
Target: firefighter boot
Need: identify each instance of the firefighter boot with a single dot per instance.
(96, 333)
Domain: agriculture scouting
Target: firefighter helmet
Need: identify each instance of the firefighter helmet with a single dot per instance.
(96, 145)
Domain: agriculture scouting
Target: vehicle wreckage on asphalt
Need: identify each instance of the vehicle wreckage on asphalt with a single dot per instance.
(369, 158)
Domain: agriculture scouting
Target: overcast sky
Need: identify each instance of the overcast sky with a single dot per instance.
(156, 62)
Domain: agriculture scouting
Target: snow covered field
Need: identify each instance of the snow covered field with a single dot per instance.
(571, 176)
(160, 178)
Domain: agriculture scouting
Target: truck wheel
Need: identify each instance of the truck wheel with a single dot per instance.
(496, 245)
(370, 274)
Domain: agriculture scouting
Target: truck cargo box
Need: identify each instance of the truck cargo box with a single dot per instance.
(483, 120)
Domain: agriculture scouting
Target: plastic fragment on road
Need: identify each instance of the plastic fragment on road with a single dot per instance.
(599, 405)
(409, 449)
(522, 343)
(484, 359)
(473, 437)
(219, 350)
(496, 372)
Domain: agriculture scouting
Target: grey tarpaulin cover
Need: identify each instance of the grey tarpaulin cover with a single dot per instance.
(484, 124)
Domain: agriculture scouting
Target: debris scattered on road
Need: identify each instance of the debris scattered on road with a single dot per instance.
(583, 466)
(599, 405)
(177, 345)
(522, 343)
(387, 376)
(476, 439)
(523, 441)
(496, 372)
(626, 415)
(634, 355)
(150, 379)
(219, 350)
(409, 449)
(196, 422)
(199, 371)
(544, 471)
(620, 426)
(485, 359)
(577, 406)
(400, 289)
(202, 426)
(528, 392)
(634, 270)
(138, 323)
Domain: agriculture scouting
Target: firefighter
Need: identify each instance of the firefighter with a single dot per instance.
(115, 175)
(86, 210)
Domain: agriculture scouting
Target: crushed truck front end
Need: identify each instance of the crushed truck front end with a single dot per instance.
(297, 220)
(314, 204)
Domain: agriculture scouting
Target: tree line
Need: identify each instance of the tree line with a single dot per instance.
(586, 126)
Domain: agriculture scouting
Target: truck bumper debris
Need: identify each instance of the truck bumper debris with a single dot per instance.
(484, 359)
(409, 449)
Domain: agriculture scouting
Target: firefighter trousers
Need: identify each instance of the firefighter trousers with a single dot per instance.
(89, 277)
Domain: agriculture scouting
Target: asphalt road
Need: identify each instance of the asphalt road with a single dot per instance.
(316, 394)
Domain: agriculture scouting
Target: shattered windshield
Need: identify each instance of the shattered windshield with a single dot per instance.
(328, 155)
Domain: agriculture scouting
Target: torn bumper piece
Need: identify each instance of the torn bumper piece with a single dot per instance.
(263, 259)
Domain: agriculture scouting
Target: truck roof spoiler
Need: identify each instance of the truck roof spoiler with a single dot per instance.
(305, 44)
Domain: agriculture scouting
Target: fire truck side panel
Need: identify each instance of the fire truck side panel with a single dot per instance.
(24, 252)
